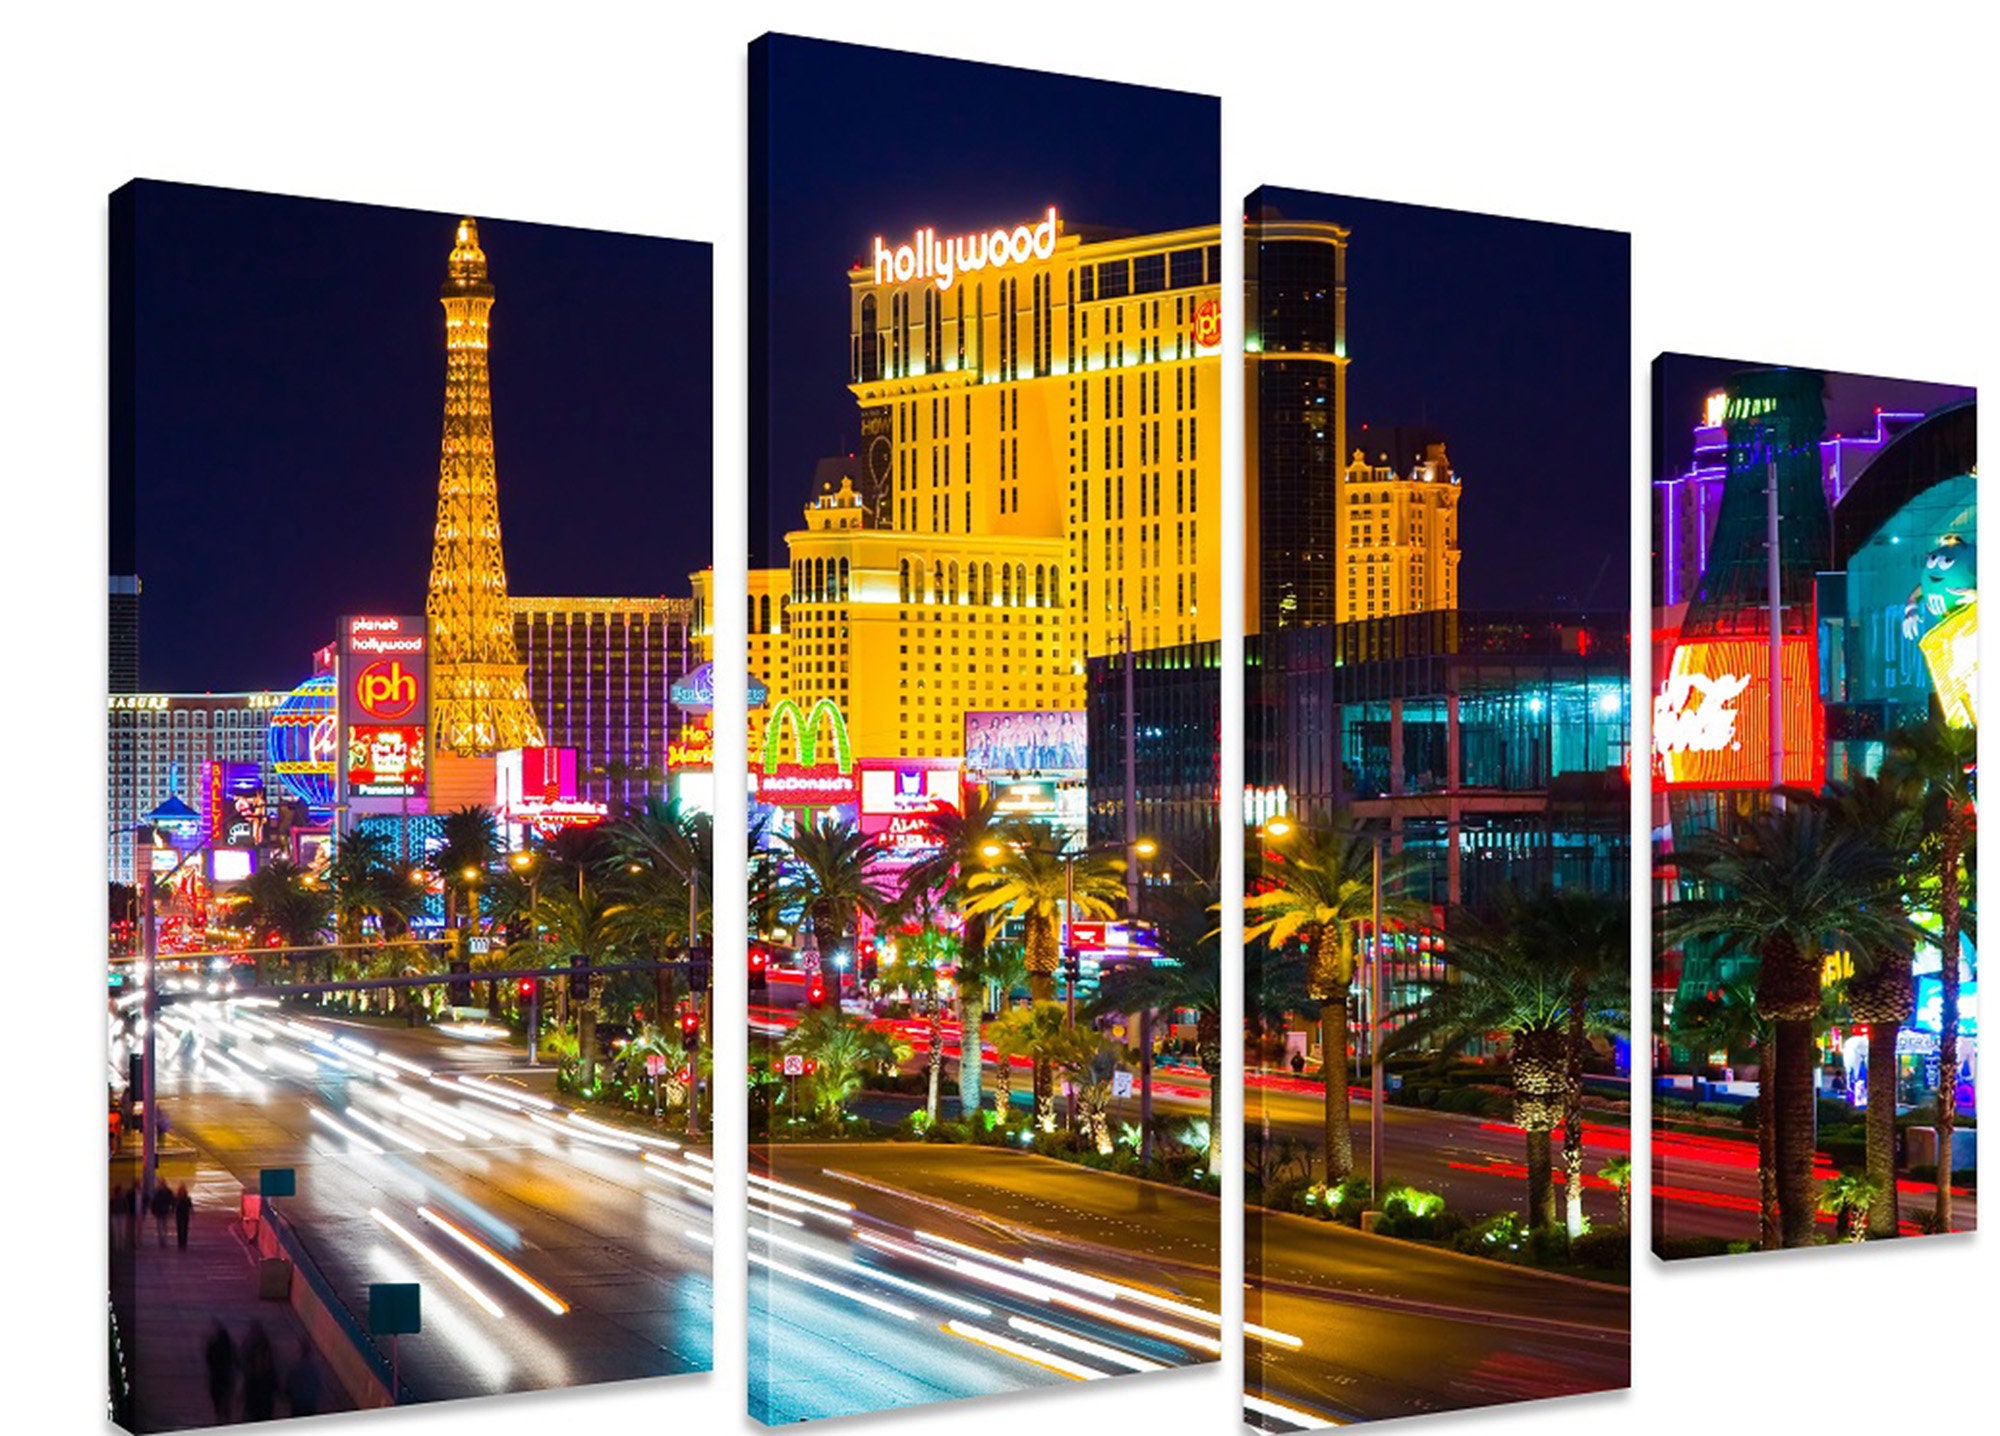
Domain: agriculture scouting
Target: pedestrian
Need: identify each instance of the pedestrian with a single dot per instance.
(221, 1352)
(302, 1382)
(163, 1207)
(260, 1375)
(183, 1214)
(1298, 1064)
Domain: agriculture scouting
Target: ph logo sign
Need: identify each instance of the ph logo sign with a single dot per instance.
(386, 691)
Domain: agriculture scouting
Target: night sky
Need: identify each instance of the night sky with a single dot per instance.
(1512, 341)
(949, 144)
(288, 382)
(1682, 382)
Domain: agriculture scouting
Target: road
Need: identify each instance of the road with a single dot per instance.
(1342, 1326)
(1706, 1186)
(549, 1250)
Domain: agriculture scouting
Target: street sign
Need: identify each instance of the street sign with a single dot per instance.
(1086, 937)
(656, 1064)
(277, 1182)
(479, 946)
(395, 1308)
(795, 1065)
(1121, 1083)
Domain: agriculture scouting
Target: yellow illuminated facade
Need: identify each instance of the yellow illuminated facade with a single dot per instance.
(1398, 536)
(1062, 410)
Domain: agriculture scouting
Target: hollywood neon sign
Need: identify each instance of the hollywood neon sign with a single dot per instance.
(942, 260)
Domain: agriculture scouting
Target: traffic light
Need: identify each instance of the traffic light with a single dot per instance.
(690, 1031)
(760, 974)
(526, 988)
(579, 978)
(816, 992)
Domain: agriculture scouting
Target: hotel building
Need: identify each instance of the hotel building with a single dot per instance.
(599, 673)
(159, 742)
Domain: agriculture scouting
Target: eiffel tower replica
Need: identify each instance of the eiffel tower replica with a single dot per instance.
(479, 686)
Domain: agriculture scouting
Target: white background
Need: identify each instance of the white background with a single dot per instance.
(1803, 185)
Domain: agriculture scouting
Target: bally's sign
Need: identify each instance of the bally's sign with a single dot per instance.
(942, 260)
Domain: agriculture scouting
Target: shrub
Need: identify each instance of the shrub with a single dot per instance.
(1609, 1250)
(1497, 1236)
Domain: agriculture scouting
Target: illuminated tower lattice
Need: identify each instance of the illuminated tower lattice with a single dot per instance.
(479, 688)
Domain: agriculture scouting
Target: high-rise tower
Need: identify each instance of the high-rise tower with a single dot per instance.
(479, 687)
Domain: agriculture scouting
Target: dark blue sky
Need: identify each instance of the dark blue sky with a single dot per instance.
(287, 382)
(1512, 340)
(1682, 381)
(860, 142)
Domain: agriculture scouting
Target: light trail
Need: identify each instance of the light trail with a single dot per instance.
(385, 1129)
(355, 1137)
(835, 1287)
(1089, 1348)
(873, 1273)
(546, 1298)
(1291, 1415)
(1023, 1352)
(450, 1273)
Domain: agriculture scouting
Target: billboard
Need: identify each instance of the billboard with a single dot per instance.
(1033, 741)
(385, 761)
(1712, 715)
(384, 712)
(812, 777)
(900, 798)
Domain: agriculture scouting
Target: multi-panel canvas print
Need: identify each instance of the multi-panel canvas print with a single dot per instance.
(984, 620)
(1437, 792)
(1816, 962)
(406, 988)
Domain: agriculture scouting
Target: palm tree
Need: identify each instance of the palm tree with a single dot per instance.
(1044, 889)
(1508, 975)
(1321, 891)
(844, 1049)
(1882, 993)
(966, 839)
(1618, 1172)
(1588, 935)
(1033, 1031)
(1191, 982)
(469, 842)
(1941, 757)
(918, 963)
(587, 927)
(281, 901)
(366, 882)
(1725, 1019)
(831, 877)
(1849, 1199)
(1790, 885)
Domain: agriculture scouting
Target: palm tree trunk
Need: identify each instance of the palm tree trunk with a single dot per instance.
(936, 1059)
(1003, 1089)
(1573, 1114)
(1541, 1185)
(586, 1044)
(1333, 1072)
(971, 1008)
(1882, 1213)
(1214, 1159)
(1948, 980)
(1798, 1207)
(1770, 1235)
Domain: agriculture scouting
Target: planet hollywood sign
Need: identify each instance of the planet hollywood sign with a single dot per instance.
(941, 260)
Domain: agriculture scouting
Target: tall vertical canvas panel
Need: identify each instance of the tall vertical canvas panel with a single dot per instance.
(407, 958)
(1437, 720)
(1816, 966)
(983, 617)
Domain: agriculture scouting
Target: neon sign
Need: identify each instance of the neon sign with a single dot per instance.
(806, 781)
(1712, 714)
(1208, 324)
(1951, 649)
(385, 761)
(695, 748)
(940, 261)
(386, 690)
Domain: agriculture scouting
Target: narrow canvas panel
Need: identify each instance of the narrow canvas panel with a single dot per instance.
(985, 512)
(1437, 725)
(1816, 973)
(406, 911)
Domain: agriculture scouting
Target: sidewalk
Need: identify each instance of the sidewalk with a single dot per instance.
(169, 1299)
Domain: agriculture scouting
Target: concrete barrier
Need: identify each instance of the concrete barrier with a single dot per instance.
(334, 1330)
